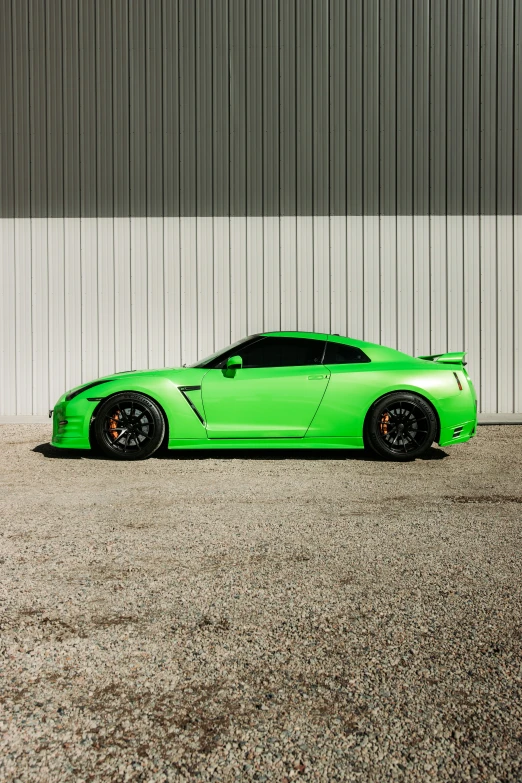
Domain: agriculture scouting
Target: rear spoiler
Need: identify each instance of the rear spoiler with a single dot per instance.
(456, 357)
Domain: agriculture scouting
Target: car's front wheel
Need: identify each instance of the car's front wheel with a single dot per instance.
(401, 426)
(129, 426)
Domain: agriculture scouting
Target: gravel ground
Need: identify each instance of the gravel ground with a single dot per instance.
(274, 617)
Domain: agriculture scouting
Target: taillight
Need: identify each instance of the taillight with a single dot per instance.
(458, 381)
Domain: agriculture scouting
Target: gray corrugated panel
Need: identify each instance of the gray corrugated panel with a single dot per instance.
(320, 106)
(22, 193)
(405, 106)
(6, 111)
(304, 148)
(454, 100)
(388, 108)
(471, 107)
(154, 106)
(138, 110)
(220, 109)
(120, 104)
(421, 108)
(104, 108)
(254, 108)
(288, 135)
(54, 130)
(271, 72)
(237, 108)
(438, 107)
(517, 112)
(187, 103)
(171, 92)
(71, 110)
(38, 98)
(488, 99)
(360, 45)
(87, 42)
(204, 107)
(371, 55)
(338, 112)
(354, 107)
(505, 65)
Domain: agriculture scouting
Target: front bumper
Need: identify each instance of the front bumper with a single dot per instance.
(71, 423)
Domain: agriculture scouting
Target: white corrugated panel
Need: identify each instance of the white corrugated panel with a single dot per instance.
(271, 274)
(73, 303)
(288, 240)
(122, 295)
(41, 313)
(505, 315)
(488, 314)
(405, 282)
(305, 273)
(517, 314)
(91, 296)
(421, 317)
(438, 284)
(388, 280)
(355, 277)
(155, 291)
(371, 279)
(105, 277)
(338, 273)
(8, 318)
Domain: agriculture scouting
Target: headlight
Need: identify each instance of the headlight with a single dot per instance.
(75, 393)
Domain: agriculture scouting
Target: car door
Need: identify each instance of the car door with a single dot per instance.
(275, 394)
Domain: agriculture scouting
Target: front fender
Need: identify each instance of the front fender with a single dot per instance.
(72, 418)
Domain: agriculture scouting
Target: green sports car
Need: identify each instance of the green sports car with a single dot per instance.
(277, 390)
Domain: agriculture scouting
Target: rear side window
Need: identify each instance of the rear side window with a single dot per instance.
(339, 353)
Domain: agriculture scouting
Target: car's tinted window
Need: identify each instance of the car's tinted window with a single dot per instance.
(219, 358)
(339, 353)
(282, 352)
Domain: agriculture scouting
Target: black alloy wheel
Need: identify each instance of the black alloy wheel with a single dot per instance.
(401, 426)
(129, 426)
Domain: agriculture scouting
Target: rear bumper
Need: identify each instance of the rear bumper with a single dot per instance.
(458, 433)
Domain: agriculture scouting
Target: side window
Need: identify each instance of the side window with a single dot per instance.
(339, 353)
(283, 352)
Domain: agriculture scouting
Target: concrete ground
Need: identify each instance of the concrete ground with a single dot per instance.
(273, 617)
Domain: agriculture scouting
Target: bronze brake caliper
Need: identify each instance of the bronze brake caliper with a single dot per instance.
(114, 424)
(385, 418)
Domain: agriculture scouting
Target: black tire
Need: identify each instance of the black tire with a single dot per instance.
(129, 426)
(401, 426)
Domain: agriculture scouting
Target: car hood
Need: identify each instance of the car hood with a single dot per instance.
(178, 375)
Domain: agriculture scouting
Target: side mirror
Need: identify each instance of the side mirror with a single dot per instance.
(234, 363)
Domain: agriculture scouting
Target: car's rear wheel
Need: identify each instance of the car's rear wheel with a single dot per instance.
(401, 426)
(129, 426)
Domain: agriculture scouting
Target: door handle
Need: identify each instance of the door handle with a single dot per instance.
(316, 377)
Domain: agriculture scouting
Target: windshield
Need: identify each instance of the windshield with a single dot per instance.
(215, 359)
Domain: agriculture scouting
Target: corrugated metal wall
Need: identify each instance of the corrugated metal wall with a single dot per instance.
(177, 174)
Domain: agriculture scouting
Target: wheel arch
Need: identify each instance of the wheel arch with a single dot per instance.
(92, 439)
(426, 399)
